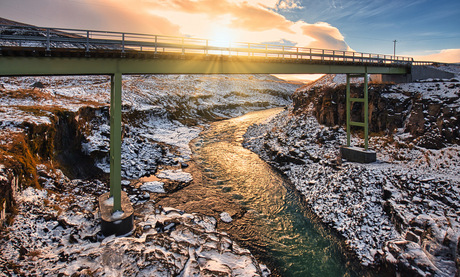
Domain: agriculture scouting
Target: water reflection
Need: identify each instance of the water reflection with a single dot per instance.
(276, 222)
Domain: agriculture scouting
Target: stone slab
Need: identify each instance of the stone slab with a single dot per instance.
(116, 223)
(357, 154)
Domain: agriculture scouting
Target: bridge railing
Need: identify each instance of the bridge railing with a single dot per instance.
(91, 40)
(429, 63)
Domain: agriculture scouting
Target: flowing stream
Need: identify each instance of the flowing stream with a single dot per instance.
(276, 224)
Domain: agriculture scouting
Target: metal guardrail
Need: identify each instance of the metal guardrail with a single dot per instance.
(427, 63)
(90, 40)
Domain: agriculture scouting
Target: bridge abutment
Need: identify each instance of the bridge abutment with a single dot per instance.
(417, 72)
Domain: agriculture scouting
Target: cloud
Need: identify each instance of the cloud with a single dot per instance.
(288, 5)
(245, 15)
(123, 16)
(257, 19)
(443, 56)
(252, 20)
(335, 4)
(325, 36)
(107, 15)
(271, 4)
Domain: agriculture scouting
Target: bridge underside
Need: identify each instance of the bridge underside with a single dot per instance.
(177, 64)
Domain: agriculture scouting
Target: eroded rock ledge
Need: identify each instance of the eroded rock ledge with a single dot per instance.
(58, 234)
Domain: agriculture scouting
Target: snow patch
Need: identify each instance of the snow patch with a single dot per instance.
(225, 217)
(175, 175)
(155, 187)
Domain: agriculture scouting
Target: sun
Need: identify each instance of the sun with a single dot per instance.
(222, 37)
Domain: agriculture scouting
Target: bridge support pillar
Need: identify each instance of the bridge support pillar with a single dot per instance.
(115, 207)
(356, 154)
(115, 141)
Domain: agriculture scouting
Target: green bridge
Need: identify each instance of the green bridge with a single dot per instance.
(34, 51)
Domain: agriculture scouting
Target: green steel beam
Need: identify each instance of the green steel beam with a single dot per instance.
(365, 101)
(348, 108)
(115, 140)
(366, 112)
(357, 100)
(11, 66)
(359, 124)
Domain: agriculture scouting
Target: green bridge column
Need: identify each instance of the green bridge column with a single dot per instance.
(366, 111)
(354, 154)
(365, 101)
(348, 107)
(115, 140)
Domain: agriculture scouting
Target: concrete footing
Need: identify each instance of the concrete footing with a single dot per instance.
(356, 154)
(119, 223)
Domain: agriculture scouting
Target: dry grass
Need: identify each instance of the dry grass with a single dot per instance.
(18, 156)
(41, 110)
(34, 253)
(33, 94)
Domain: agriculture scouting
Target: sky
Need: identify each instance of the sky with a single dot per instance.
(423, 29)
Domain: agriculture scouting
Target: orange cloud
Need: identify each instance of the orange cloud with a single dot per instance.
(126, 16)
(444, 56)
(241, 20)
(259, 19)
(255, 20)
(244, 15)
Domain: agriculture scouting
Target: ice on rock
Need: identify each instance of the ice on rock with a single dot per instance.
(175, 175)
(33, 196)
(117, 215)
(155, 187)
(225, 217)
(109, 201)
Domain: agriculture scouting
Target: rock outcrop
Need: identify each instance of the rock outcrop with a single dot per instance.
(399, 214)
(429, 111)
(59, 235)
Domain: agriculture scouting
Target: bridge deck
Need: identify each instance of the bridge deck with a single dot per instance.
(175, 64)
(73, 61)
(29, 50)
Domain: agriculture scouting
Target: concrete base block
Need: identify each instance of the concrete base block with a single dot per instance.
(118, 223)
(357, 154)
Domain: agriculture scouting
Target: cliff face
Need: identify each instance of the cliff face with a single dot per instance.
(428, 111)
(399, 214)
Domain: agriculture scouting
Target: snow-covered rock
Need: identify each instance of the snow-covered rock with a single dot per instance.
(225, 217)
(155, 186)
(401, 210)
(175, 175)
(59, 234)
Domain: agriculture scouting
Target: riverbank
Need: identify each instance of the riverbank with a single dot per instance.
(400, 213)
(54, 145)
(59, 234)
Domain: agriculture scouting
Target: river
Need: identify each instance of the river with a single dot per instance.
(276, 224)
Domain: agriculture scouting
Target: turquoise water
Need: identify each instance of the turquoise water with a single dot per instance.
(276, 225)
